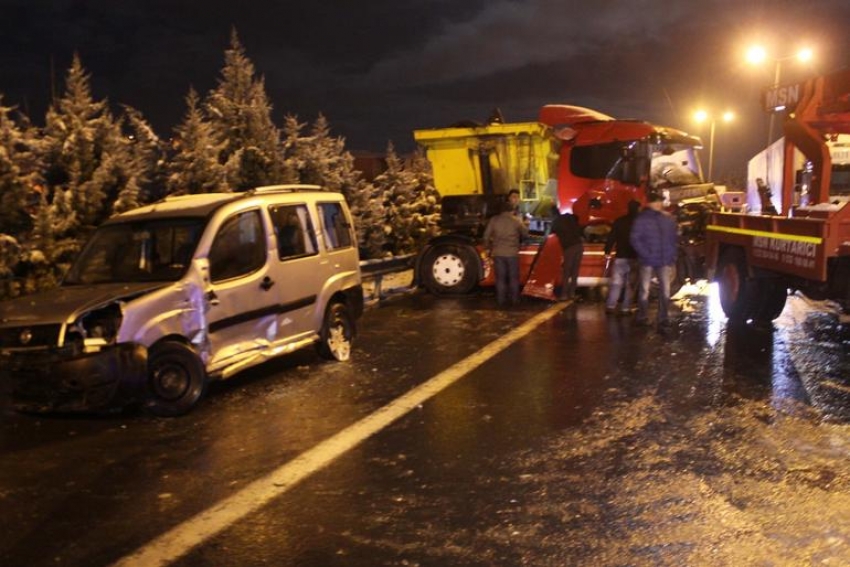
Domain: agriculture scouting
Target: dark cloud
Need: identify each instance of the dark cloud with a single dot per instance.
(381, 68)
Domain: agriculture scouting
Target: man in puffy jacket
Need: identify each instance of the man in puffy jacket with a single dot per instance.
(655, 239)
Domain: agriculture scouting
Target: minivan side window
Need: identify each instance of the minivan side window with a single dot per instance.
(336, 227)
(294, 230)
(239, 248)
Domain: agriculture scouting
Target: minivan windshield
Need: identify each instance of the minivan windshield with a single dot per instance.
(158, 250)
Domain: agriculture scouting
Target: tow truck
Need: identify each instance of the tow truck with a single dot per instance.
(799, 239)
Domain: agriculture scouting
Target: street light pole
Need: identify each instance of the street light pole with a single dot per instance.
(711, 150)
(702, 116)
(773, 114)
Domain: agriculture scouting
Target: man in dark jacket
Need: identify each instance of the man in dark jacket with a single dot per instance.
(624, 266)
(502, 237)
(566, 228)
(655, 239)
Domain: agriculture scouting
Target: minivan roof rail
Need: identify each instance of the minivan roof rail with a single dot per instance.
(286, 188)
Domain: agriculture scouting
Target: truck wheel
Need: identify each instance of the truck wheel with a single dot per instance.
(336, 334)
(176, 379)
(450, 269)
(771, 294)
(734, 285)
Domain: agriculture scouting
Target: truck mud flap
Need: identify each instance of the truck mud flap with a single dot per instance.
(545, 271)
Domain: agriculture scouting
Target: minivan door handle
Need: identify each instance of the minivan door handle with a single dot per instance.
(267, 283)
(212, 298)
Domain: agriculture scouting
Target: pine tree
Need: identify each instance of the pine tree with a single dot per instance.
(195, 166)
(410, 203)
(146, 156)
(81, 136)
(427, 205)
(240, 113)
(10, 254)
(20, 172)
(291, 149)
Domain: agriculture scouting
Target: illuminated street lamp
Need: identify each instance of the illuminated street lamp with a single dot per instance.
(757, 55)
(701, 116)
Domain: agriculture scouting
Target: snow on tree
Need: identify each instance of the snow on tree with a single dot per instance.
(195, 166)
(146, 160)
(20, 172)
(427, 209)
(84, 149)
(10, 252)
(292, 152)
(39, 258)
(240, 113)
(321, 159)
(410, 201)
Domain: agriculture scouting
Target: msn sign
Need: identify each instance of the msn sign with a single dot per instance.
(777, 99)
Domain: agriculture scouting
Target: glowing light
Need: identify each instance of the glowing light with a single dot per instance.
(716, 316)
(805, 55)
(756, 54)
(701, 115)
(728, 116)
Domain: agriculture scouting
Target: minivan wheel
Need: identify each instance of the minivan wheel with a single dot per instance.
(176, 379)
(336, 334)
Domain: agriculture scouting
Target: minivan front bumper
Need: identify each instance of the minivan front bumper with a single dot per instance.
(50, 381)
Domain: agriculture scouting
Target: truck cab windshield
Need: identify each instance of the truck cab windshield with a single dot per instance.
(667, 165)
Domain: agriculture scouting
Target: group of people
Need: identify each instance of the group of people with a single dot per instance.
(644, 242)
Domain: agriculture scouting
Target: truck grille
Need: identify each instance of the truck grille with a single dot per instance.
(34, 336)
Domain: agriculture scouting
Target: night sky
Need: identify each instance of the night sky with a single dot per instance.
(379, 69)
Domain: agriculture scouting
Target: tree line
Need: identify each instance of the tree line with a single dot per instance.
(61, 180)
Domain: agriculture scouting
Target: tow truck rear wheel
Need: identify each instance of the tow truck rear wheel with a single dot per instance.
(450, 269)
(770, 294)
(734, 285)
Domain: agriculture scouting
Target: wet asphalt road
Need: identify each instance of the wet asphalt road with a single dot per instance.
(588, 442)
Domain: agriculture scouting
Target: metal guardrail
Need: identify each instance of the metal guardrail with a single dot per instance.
(375, 270)
(370, 270)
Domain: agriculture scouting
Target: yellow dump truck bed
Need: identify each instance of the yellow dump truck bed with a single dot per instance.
(493, 158)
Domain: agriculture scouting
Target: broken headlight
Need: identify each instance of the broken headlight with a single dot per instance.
(94, 330)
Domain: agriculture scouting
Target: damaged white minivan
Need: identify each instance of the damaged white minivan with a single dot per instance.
(167, 297)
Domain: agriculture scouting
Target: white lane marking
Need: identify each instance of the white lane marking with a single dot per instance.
(179, 540)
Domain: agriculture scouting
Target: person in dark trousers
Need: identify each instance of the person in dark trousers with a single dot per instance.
(624, 267)
(656, 241)
(566, 228)
(502, 238)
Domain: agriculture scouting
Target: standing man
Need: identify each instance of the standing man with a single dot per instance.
(656, 241)
(502, 238)
(513, 199)
(625, 261)
(566, 228)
